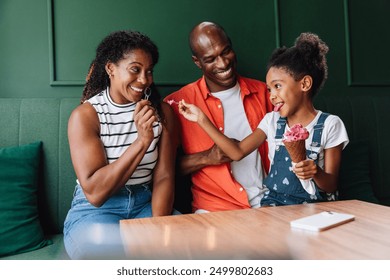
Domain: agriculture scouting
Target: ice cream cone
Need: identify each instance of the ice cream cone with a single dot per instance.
(296, 150)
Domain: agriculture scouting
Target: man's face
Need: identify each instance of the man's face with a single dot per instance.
(217, 60)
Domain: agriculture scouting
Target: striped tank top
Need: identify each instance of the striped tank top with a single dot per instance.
(118, 132)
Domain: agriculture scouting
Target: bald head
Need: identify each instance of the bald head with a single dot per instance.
(203, 33)
(213, 54)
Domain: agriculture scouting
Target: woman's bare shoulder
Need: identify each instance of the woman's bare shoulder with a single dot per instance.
(84, 115)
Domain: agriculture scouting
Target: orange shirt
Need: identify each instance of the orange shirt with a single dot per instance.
(214, 188)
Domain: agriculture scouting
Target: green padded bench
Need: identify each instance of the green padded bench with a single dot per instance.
(365, 171)
(26, 121)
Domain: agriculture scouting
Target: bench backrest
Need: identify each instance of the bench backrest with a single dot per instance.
(366, 118)
(28, 120)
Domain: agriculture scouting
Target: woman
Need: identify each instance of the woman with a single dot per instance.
(121, 148)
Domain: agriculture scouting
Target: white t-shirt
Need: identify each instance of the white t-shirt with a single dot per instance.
(333, 134)
(248, 171)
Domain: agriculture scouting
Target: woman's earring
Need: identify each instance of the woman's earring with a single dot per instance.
(147, 92)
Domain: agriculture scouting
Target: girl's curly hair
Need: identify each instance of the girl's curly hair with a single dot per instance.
(306, 57)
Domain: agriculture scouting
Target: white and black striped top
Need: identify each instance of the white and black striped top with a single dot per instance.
(118, 132)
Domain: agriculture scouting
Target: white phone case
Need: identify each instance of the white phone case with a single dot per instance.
(322, 221)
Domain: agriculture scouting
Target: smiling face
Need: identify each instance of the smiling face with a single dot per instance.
(130, 76)
(286, 94)
(216, 58)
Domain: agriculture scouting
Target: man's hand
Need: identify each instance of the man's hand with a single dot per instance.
(213, 156)
(217, 156)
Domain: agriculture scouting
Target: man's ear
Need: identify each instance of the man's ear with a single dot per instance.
(306, 83)
(196, 61)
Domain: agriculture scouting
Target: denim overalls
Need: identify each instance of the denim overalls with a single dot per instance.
(283, 185)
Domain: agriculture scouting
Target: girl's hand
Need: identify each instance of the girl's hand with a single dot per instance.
(190, 111)
(305, 169)
(144, 117)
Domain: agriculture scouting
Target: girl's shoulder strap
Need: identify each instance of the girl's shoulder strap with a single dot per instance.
(318, 127)
(280, 127)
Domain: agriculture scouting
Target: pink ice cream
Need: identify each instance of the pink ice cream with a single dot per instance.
(172, 101)
(295, 133)
(294, 141)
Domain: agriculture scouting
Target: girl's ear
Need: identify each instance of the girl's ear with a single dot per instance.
(306, 83)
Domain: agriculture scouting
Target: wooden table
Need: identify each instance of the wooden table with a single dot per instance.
(263, 233)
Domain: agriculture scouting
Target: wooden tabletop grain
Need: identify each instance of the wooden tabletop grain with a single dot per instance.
(263, 233)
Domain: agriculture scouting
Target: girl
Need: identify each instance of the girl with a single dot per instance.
(294, 77)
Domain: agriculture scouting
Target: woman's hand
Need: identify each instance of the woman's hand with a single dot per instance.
(144, 117)
(305, 169)
(190, 111)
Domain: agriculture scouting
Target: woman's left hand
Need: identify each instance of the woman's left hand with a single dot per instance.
(305, 169)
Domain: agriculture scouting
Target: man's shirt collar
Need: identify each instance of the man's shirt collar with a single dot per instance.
(206, 92)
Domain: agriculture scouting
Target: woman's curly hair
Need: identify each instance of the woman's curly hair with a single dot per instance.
(113, 48)
(306, 57)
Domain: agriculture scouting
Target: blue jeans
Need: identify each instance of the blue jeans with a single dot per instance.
(93, 232)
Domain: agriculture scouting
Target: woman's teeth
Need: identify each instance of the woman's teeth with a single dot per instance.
(136, 89)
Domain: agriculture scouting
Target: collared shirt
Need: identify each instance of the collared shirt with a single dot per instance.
(214, 188)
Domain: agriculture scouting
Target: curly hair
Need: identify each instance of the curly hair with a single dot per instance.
(306, 57)
(113, 48)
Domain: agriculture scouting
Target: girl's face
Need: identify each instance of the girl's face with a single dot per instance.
(285, 93)
(130, 76)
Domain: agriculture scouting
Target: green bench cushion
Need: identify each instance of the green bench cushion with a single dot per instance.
(55, 251)
(20, 229)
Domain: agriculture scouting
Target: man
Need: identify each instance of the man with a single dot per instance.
(235, 105)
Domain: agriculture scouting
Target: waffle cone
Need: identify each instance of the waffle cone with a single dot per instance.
(296, 150)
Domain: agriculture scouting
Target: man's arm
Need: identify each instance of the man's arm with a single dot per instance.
(192, 163)
(187, 164)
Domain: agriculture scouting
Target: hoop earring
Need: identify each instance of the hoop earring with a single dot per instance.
(147, 93)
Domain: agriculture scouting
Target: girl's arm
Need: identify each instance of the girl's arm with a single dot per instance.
(164, 172)
(327, 178)
(234, 150)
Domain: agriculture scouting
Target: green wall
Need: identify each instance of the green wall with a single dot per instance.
(46, 45)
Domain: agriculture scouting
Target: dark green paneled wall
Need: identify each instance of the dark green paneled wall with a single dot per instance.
(46, 45)
(168, 25)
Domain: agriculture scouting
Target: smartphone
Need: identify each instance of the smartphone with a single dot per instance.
(322, 221)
